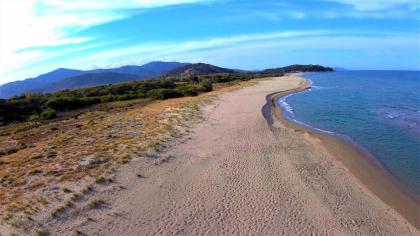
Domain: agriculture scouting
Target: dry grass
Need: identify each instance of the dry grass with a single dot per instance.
(41, 232)
(62, 208)
(96, 203)
(104, 179)
(36, 156)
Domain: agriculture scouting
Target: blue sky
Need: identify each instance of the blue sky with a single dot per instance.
(37, 36)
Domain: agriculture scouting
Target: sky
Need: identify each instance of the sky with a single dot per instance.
(38, 36)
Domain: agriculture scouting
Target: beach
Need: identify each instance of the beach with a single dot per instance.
(246, 170)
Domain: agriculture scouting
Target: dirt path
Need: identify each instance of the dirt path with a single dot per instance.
(235, 176)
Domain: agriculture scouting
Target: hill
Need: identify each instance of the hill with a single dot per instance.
(62, 78)
(90, 80)
(36, 84)
(148, 70)
(198, 69)
(298, 68)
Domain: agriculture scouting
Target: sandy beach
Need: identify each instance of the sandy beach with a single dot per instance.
(246, 170)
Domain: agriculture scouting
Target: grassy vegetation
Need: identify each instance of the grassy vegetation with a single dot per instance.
(37, 106)
(107, 135)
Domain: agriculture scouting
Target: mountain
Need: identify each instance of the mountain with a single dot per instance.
(198, 69)
(38, 83)
(90, 80)
(298, 68)
(62, 78)
(151, 69)
(163, 67)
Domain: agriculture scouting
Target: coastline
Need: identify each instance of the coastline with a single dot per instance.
(363, 165)
(230, 173)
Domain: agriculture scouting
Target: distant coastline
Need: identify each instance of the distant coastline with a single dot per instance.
(358, 160)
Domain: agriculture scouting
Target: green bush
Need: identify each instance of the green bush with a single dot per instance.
(71, 103)
(34, 117)
(126, 97)
(108, 98)
(63, 103)
(160, 94)
(188, 90)
(48, 114)
(206, 85)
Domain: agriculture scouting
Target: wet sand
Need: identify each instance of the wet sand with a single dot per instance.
(356, 159)
(246, 172)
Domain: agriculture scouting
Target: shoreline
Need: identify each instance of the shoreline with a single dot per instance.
(359, 161)
(229, 173)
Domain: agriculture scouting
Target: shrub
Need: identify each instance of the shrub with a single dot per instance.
(34, 117)
(206, 86)
(108, 98)
(160, 94)
(61, 103)
(70, 103)
(188, 90)
(126, 97)
(48, 114)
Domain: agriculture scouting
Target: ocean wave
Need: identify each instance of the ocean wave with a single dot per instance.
(288, 109)
(311, 83)
(286, 106)
(290, 115)
(312, 127)
(401, 116)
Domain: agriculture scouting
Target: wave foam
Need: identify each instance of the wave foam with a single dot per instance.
(290, 115)
(286, 106)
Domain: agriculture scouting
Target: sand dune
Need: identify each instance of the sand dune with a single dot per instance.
(236, 175)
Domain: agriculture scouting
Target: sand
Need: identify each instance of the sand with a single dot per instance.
(243, 173)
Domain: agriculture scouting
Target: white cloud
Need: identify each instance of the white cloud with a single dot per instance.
(297, 14)
(137, 54)
(164, 48)
(276, 15)
(290, 40)
(272, 53)
(375, 5)
(261, 54)
(217, 49)
(38, 23)
(113, 4)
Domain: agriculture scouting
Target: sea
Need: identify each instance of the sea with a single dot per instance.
(377, 110)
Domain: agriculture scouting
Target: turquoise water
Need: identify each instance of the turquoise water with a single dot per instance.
(380, 110)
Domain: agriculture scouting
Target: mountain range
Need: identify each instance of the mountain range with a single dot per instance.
(63, 78)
